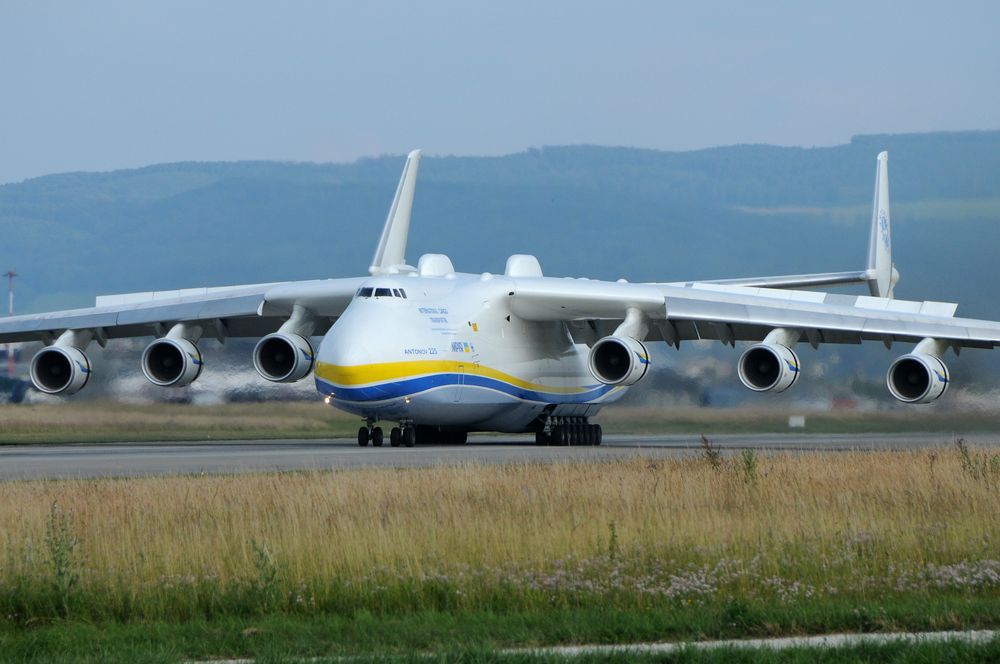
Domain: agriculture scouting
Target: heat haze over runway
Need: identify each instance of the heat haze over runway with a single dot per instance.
(41, 461)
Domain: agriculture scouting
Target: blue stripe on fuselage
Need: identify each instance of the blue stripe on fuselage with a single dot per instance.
(402, 388)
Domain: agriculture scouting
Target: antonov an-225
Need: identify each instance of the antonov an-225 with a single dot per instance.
(443, 353)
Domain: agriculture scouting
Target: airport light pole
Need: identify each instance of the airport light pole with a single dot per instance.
(10, 312)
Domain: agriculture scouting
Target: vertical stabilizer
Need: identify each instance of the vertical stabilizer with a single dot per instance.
(391, 253)
(882, 276)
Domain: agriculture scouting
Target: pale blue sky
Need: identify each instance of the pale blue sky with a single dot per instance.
(105, 85)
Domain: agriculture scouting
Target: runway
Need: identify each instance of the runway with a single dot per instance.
(41, 461)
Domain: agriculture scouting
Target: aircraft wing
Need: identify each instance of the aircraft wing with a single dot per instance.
(880, 274)
(230, 311)
(676, 312)
(799, 280)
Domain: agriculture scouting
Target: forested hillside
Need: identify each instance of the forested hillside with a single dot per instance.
(602, 212)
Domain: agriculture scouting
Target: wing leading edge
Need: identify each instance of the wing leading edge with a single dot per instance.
(230, 311)
(739, 313)
(234, 311)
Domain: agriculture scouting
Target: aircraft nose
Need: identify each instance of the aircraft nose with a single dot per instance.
(342, 349)
(344, 364)
(346, 353)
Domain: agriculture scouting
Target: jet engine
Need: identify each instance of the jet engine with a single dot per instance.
(283, 358)
(170, 362)
(768, 367)
(619, 360)
(60, 370)
(917, 378)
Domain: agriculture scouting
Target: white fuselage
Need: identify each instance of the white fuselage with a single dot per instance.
(452, 354)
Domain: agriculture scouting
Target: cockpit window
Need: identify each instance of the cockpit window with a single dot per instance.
(381, 292)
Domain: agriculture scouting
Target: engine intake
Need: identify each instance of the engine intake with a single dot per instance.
(283, 358)
(171, 362)
(60, 370)
(768, 368)
(619, 360)
(917, 378)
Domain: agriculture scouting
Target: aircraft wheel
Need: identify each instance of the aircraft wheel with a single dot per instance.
(541, 438)
(363, 436)
(598, 434)
(560, 436)
(377, 437)
(395, 434)
(409, 436)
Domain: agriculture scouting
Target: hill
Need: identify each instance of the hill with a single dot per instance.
(584, 210)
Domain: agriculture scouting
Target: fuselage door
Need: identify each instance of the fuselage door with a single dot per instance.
(459, 383)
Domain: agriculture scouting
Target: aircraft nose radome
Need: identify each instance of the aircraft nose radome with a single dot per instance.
(339, 354)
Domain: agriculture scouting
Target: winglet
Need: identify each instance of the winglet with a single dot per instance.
(390, 255)
(882, 275)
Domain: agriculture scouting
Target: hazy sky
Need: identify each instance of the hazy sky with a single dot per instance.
(104, 85)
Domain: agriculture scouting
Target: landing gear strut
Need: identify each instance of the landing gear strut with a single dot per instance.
(569, 431)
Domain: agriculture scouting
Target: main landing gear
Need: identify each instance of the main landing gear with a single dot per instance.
(405, 435)
(370, 433)
(408, 434)
(569, 431)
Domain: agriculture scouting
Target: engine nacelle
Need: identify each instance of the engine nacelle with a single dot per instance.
(768, 367)
(60, 370)
(171, 362)
(283, 358)
(917, 378)
(619, 360)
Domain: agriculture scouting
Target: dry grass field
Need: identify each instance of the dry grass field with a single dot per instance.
(101, 421)
(646, 419)
(639, 533)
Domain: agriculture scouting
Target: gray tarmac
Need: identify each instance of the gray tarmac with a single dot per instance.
(41, 461)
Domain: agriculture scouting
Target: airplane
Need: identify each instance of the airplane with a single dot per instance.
(441, 353)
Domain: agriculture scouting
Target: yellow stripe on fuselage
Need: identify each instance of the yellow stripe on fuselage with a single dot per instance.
(366, 374)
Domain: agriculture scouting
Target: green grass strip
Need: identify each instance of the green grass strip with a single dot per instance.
(366, 633)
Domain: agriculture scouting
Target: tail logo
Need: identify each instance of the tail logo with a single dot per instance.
(883, 226)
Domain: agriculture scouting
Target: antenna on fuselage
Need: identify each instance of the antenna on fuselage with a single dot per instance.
(390, 256)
